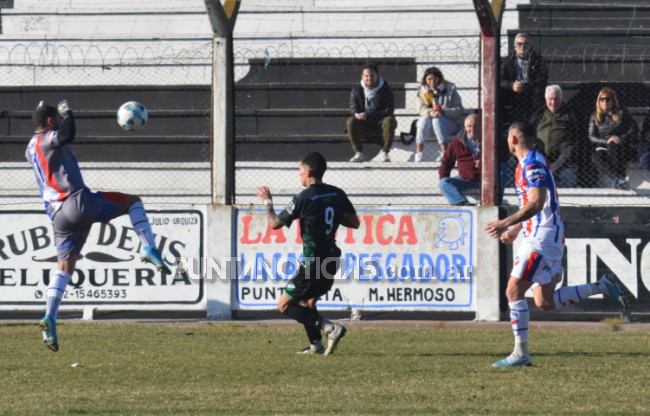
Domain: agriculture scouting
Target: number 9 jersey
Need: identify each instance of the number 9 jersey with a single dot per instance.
(319, 208)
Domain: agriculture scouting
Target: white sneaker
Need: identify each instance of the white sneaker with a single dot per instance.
(313, 349)
(383, 156)
(333, 338)
(418, 157)
(439, 158)
(357, 158)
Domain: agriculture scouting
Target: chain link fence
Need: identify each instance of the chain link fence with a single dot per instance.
(167, 161)
(593, 168)
(293, 97)
(291, 101)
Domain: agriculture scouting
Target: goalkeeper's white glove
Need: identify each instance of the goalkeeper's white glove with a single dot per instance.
(64, 108)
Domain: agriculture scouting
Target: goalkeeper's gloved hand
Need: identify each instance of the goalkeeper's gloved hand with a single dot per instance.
(64, 108)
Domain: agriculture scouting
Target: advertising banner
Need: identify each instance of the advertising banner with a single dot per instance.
(399, 259)
(109, 271)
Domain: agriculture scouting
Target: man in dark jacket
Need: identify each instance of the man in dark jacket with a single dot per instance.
(523, 80)
(558, 137)
(372, 105)
(464, 151)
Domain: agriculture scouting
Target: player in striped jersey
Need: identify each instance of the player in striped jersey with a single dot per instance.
(72, 207)
(538, 262)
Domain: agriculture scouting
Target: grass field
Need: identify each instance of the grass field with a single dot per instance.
(229, 369)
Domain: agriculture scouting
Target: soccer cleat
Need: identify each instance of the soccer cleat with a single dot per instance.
(312, 350)
(418, 157)
(334, 337)
(151, 255)
(615, 289)
(522, 362)
(48, 328)
(383, 156)
(357, 158)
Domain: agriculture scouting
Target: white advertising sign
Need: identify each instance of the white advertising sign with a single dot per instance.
(109, 271)
(399, 259)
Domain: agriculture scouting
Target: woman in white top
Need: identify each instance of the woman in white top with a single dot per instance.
(440, 109)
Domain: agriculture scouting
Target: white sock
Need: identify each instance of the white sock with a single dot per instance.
(55, 292)
(141, 224)
(326, 325)
(568, 295)
(519, 317)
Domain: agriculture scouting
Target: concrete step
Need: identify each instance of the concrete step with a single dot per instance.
(326, 70)
(104, 22)
(103, 123)
(103, 97)
(135, 148)
(279, 122)
(587, 42)
(257, 5)
(584, 15)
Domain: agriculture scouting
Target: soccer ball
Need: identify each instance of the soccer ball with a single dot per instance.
(132, 116)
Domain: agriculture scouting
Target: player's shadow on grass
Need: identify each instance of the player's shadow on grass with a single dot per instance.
(498, 354)
(591, 354)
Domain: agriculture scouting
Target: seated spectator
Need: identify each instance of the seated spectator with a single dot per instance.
(614, 132)
(463, 150)
(644, 142)
(556, 130)
(372, 105)
(441, 111)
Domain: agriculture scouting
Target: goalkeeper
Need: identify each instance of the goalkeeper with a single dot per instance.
(72, 207)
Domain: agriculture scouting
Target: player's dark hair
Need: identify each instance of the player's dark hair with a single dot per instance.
(527, 131)
(370, 66)
(316, 163)
(41, 115)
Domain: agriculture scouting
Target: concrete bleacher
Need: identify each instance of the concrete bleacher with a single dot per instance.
(103, 53)
(178, 129)
(80, 48)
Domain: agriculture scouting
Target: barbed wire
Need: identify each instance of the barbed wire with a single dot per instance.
(100, 54)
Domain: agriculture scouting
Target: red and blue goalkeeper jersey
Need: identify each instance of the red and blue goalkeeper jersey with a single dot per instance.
(55, 165)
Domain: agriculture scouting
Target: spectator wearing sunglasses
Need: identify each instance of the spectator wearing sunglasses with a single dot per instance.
(523, 81)
(614, 132)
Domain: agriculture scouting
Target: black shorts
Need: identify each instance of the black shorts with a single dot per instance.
(316, 283)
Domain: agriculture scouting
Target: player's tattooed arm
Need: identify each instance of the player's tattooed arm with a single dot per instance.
(536, 200)
(265, 195)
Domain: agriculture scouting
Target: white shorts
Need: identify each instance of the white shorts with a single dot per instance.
(537, 262)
